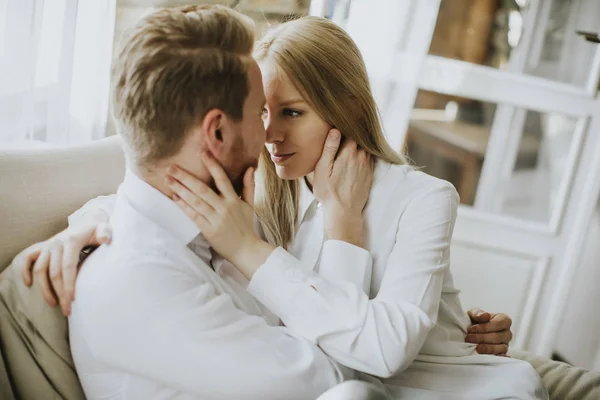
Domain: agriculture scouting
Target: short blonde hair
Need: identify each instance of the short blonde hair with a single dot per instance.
(326, 67)
(174, 66)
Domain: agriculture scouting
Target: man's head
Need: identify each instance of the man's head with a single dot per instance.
(184, 83)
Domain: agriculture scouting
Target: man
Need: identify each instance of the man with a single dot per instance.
(152, 318)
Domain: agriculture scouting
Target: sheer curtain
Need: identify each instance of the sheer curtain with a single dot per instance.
(55, 60)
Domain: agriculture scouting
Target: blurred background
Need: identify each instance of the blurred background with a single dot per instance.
(499, 97)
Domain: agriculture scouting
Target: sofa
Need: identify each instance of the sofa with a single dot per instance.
(39, 188)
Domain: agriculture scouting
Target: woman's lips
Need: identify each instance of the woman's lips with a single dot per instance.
(281, 158)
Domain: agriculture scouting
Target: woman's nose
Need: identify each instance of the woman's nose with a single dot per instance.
(274, 132)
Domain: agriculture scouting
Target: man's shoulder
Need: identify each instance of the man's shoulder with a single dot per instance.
(128, 290)
(130, 269)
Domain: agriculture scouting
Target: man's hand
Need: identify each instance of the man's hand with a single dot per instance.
(53, 263)
(491, 332)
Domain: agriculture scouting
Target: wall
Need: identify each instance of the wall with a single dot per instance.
(579, 338)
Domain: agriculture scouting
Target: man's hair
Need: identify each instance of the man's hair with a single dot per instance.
(174, 66)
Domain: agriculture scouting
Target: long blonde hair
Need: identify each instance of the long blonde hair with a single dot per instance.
(326, 67)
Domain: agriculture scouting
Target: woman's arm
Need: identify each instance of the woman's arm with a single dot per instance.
(336, 314)
(344, 262)
(99, 210)
(380, 336)
(53, 263)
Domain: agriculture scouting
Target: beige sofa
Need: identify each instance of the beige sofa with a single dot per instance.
(38, 190)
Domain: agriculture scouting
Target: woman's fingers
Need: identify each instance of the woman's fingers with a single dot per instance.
(204, 200)
(347, 156)
(497, 323)
(220, 176)
(479, 316)
(503, 337)
(40, 272)
(349, 148)
(330, 149)
(26, 260)
(202, 222)
(188, 187)
(248, 191)
(70, 262)
(103, 233)
(56, 276)
(493, 349)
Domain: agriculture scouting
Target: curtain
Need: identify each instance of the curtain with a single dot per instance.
(55, 60)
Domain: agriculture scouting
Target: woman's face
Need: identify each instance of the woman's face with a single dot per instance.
(295, 132)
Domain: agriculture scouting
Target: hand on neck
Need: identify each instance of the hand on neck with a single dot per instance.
(157, 174)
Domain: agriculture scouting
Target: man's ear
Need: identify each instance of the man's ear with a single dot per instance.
(213, 124)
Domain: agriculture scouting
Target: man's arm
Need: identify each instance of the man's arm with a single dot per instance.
(162, 324)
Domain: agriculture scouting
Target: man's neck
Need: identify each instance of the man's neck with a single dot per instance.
(155, 176)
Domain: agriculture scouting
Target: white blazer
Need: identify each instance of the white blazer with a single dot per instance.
(391, 310)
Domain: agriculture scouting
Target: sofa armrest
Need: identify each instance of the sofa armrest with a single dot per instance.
(41, 187)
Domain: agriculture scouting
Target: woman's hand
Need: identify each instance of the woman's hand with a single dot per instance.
(225, 220)
(491, 332)
(342, 185)
(53, 263)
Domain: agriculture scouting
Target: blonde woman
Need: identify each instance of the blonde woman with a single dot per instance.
(353, 249)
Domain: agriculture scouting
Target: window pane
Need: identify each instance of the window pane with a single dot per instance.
(487, 32)
(448, 137)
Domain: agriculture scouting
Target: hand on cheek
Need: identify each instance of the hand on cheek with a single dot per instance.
(342, 184)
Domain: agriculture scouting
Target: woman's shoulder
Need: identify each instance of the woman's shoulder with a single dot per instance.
(409, 181)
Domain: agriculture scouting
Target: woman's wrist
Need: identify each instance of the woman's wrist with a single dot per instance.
(346, 227)
(251, 255)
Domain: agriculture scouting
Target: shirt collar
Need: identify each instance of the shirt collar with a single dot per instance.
(159, 208)
(306, 197)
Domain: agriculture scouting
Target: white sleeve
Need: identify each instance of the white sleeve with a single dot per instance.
(380, 336)
(179, 331)
(103, 203)
(341, 261)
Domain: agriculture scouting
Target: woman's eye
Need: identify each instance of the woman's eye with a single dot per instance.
(288, 112)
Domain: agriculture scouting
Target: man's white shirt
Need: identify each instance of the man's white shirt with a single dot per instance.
(152, 319)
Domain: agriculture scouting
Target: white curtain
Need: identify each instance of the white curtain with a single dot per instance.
(55, 60)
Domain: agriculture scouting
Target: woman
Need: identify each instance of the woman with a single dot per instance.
(373, 288)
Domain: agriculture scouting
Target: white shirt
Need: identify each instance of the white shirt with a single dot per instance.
(391, 310)
(152, 320)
